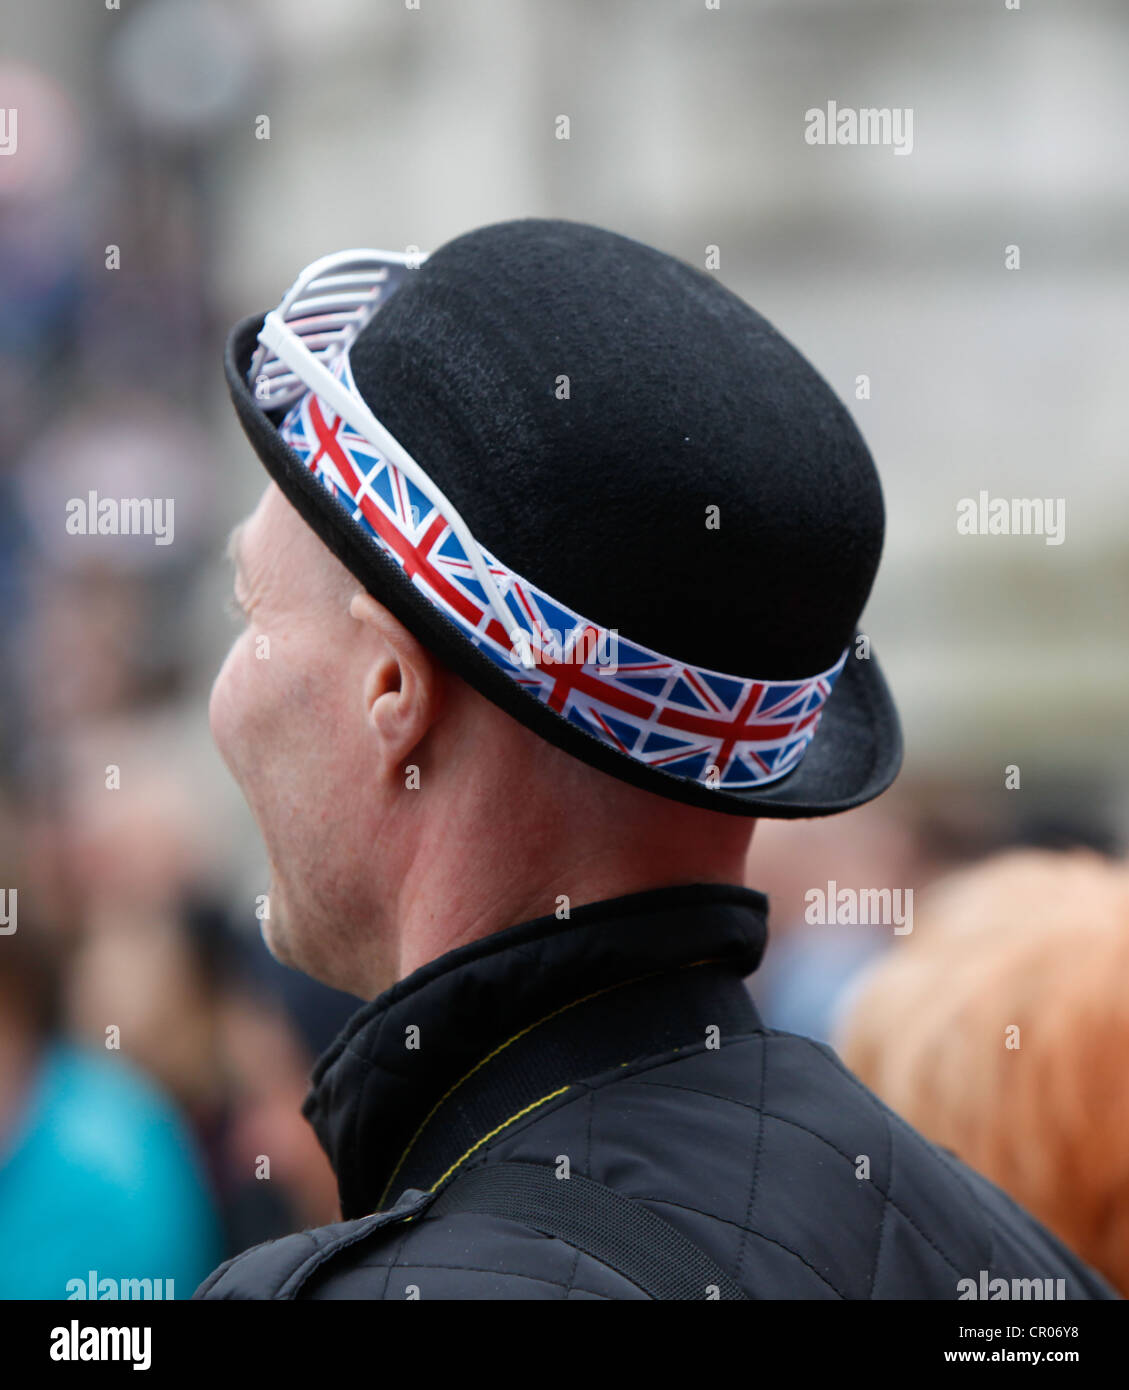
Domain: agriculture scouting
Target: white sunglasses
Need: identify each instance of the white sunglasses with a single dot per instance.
(318, 320)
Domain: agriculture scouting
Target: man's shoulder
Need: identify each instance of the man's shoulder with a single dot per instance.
(466, 1255)
(838, 1195)
(935, 1207)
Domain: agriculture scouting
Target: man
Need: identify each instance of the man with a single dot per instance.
(553, 593)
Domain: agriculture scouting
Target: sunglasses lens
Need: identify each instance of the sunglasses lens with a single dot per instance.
(327, 306)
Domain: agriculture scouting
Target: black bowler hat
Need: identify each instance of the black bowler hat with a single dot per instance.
(603, 490)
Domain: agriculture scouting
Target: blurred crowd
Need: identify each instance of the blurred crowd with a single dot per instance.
(153, 1057)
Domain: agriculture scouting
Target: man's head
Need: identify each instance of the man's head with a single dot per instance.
(403, 813)
(546, 446)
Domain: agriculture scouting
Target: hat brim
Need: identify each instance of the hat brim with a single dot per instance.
(854, 756)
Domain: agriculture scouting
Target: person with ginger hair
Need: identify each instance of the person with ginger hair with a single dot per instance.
(1000, 1030)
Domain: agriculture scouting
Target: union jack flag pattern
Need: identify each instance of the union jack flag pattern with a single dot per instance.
(720, 730)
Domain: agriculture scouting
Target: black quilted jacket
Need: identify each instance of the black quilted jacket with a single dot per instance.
(623, 1045)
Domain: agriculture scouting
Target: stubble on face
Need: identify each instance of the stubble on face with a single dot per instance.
(281, 717)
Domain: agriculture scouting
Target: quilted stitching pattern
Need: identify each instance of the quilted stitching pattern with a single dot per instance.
(751, 1150)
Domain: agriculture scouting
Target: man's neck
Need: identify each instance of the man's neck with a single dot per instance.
(445, 906)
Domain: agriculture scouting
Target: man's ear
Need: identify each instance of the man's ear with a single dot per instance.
(402, 682)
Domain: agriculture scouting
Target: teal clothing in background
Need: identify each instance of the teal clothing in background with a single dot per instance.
(101, 1174)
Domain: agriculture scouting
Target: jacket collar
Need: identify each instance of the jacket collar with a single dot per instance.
(515, 1018)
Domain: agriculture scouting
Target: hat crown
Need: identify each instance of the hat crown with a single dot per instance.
(634, 439)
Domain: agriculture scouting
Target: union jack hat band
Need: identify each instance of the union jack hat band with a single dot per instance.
(705, 726)
(725, 739)
(714, 728)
